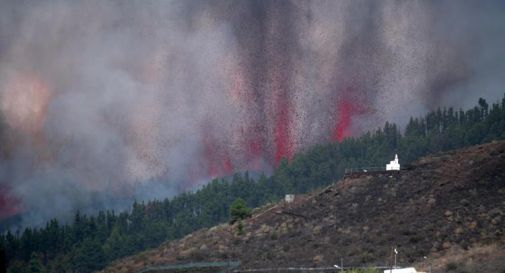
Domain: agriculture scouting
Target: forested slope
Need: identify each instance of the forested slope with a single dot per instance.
(90, 242)
(443, 202)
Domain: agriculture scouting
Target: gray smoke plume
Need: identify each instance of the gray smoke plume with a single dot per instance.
(109, 101)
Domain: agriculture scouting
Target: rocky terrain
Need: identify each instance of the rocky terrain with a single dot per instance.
(449, 207)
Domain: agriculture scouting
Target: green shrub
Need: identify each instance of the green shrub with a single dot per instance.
(239, 211)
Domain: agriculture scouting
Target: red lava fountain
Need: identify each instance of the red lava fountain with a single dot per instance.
(281, 134)
(216, 157)
(344, 110)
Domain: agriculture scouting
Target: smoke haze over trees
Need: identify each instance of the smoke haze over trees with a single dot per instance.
(106, 101)
(90, 242)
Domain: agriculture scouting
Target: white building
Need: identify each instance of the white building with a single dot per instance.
(393, 165)
(402, 270)
(289, 198)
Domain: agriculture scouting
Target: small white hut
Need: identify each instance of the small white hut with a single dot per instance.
(289, 198)
(393, 165)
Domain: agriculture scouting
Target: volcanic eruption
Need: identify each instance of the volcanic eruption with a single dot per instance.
(109, 101)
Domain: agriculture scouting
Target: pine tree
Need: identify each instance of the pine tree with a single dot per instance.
(34, 265)
(239, 210)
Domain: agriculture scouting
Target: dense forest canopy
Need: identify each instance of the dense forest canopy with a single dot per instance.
(89, 242)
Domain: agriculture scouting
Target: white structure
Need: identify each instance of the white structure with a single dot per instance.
(393, 165)
(402, 270)
(289, 198)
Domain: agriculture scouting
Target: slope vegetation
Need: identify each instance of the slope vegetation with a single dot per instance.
(441, 204)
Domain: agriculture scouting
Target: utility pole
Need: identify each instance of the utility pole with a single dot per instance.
(429, 263)
(389, 261)
(396, 253)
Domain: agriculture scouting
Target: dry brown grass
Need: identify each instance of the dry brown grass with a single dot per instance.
(485, 259)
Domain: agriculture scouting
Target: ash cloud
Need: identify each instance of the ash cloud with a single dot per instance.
(109, 101)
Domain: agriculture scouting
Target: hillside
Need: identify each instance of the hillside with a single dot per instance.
(447, 203)
(91, 241)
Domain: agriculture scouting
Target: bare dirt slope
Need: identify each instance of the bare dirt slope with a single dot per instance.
(444, 203)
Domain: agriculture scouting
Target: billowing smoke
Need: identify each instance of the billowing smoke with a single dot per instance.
(106, 101)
